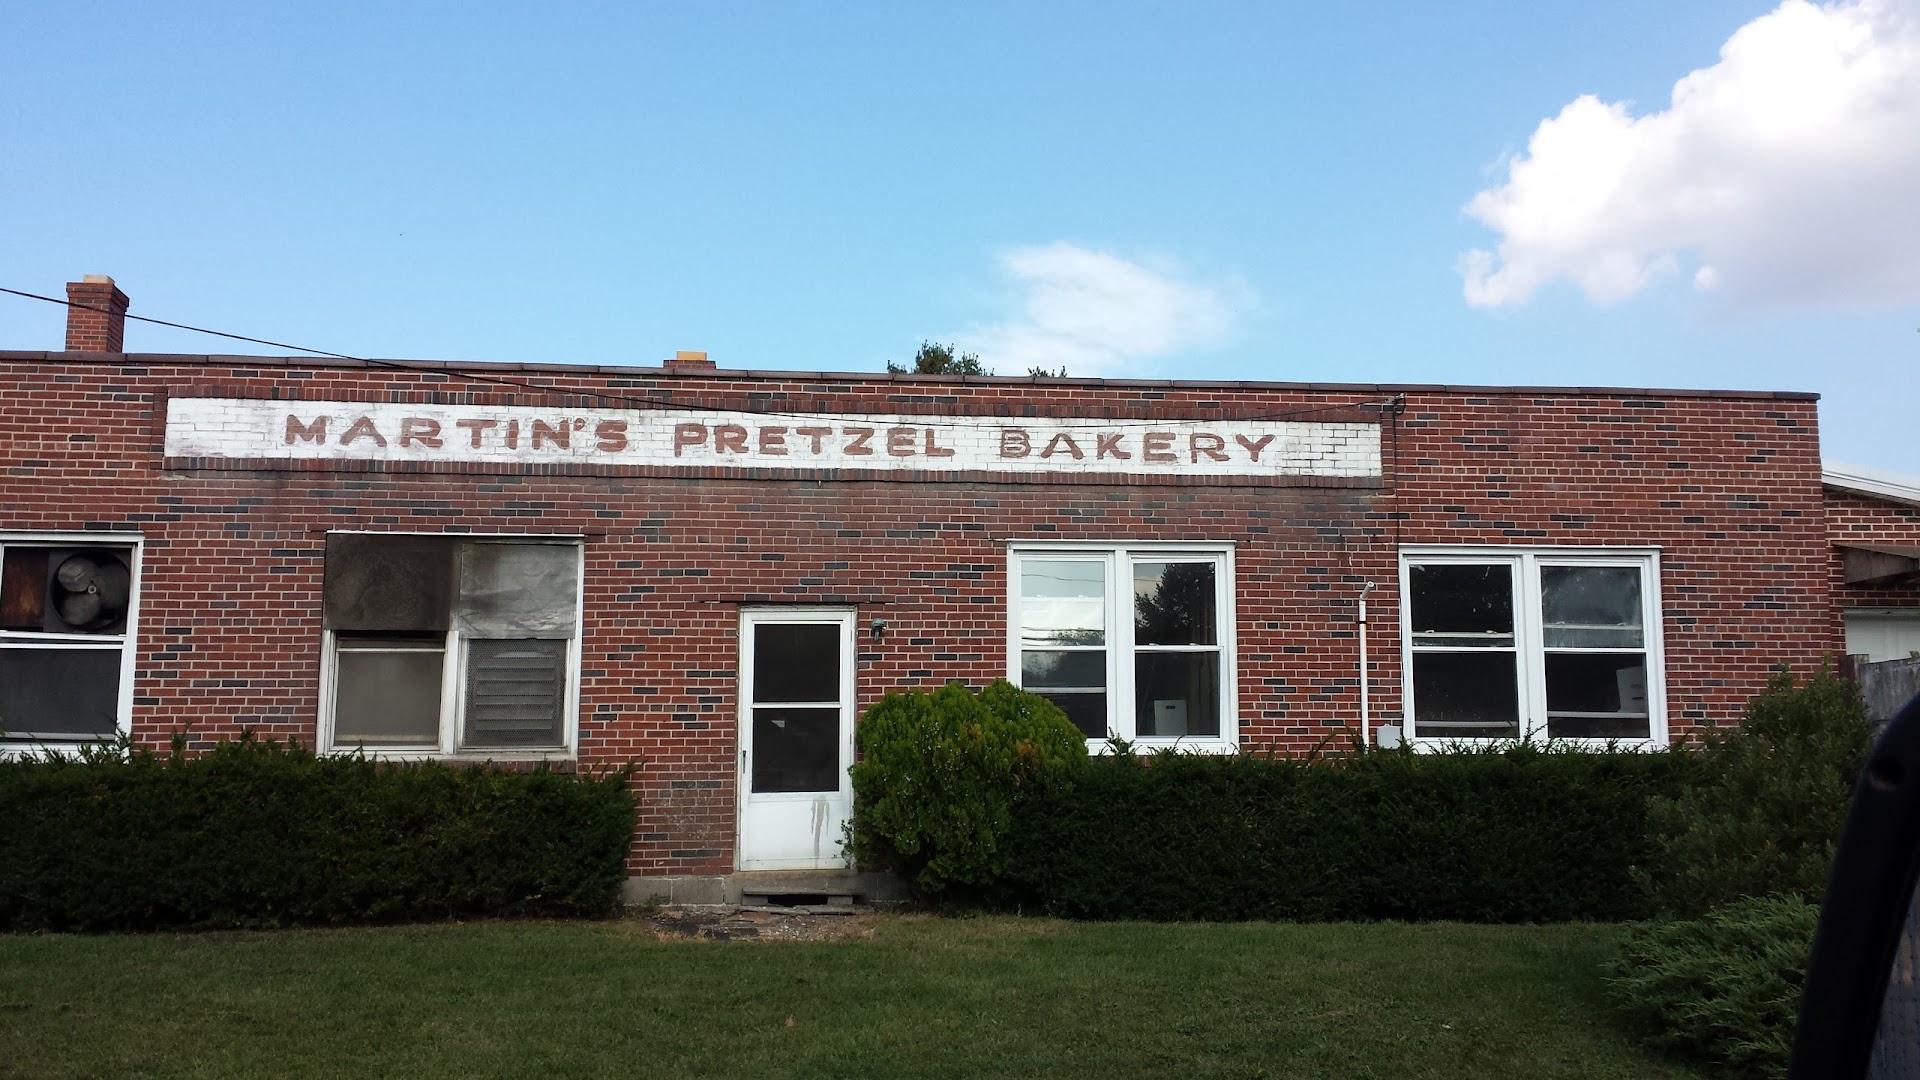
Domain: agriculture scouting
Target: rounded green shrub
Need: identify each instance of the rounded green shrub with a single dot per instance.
(940, 774)
(1722, 990)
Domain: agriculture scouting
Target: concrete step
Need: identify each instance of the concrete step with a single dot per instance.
(824, 889)
(798, 888)
(799, 903)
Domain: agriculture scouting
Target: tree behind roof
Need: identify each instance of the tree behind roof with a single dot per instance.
(937, 359)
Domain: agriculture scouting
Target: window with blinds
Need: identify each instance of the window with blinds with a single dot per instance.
(443, 644)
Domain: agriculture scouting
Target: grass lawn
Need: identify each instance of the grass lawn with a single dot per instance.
(921, 997)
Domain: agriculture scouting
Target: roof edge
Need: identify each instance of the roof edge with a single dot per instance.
(631, 370)
(1873, 483)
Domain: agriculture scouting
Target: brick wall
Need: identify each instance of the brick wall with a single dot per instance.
(96, 315)
(1727, 486)
(1859, 519)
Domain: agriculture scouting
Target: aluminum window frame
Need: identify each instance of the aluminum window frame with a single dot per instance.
(453, 666)
(1121, 649)
(1529, 648)
(127, 641)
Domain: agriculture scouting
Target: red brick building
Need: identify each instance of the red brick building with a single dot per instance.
(710, 572)
(1874, 520)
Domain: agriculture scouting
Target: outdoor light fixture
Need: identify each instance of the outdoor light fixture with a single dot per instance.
(878, 628)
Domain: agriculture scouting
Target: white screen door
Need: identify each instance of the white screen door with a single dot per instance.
(796, 736)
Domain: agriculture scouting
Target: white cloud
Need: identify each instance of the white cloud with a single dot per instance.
(1787, 175)
(1099, 314)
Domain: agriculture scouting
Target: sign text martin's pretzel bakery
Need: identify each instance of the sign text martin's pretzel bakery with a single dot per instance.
(246, 429)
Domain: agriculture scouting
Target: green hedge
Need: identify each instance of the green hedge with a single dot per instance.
(1773, 793)
(1747, 848)
(1522, 834)
(1723, 990)
(257, 834)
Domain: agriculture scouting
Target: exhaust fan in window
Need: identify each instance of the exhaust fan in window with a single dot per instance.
(87, 591)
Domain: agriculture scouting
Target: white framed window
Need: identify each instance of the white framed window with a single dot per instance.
(451, 645)
(1537, 643)
(1132, 641)
(68, 609)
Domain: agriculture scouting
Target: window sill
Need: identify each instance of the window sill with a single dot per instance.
(460, 757)
(1191, 744)
(1436, 746)
(13, 748)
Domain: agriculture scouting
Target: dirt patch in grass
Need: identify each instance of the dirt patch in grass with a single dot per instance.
(747, 924)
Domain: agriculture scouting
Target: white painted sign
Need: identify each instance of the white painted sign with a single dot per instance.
(252, 429)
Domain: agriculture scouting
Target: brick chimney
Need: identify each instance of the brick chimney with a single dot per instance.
(97, 315)
(689, 362)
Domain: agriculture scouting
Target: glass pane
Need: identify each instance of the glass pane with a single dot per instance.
(1592, 637)
(1176, 694)
(1055, 670)
(386, 698)
(1063, 602)
(59, 694)
(385, 582)
(23, 588)
(1462, 605)
(1465, 695)
(1591, 606)
(516, 693)
(1173, 604)
(796, 749)
(1087, 711)
(796, 662)
(1597, 696)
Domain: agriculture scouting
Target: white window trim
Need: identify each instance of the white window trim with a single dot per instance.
(128, 640)
(1528, 646)
(1119, 606)
(453, 685)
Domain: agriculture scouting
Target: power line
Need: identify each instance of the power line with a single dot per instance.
(183, 326)
(634, 402)
(394, 364)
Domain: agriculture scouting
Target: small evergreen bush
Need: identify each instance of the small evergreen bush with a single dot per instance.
(259, 834)
(1522, 833)
(1722, 990)
(1766, 815)
(941, 773)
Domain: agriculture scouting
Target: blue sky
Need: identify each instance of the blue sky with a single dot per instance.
(1255, 191)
